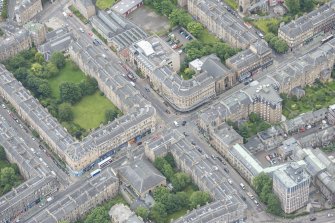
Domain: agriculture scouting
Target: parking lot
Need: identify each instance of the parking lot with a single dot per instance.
(150, 21)
(272, 160)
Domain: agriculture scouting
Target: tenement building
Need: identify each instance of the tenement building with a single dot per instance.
(14, 44)
(81, 156)
(80, 199)
(226, 206)
(85, 7)
(25, 10)
(40, 182)
(218, 20)
(302, 30)
(291, 185)
(250, 61)
(159, 63)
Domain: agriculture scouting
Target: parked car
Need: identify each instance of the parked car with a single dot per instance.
(193, 143)
(183, 123)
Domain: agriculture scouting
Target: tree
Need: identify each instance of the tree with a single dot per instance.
(37, 69)
(293, 6)
(280, 46)
(306, 5)
(264, 195)
(161, 194)
(99, 214)
(273, 205)
(39, 58)
(254, 118)
(158, 212)
(159, 163)
(180, 181)
(65, 113)
(199, 198)
(51, 70)
(44, 89)
(195, 28)
(142, 212)
(88, 86)
(110, 114)
(168, 171)
(169, 158)
(172, 205)
(21, 74)
(58, 59)
(7, 176)
(183, 200)
(2, 153)
(166, 7)
(70, 92)
(260, 181)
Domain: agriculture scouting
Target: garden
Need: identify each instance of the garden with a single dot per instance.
(60, 86)
(319, 95)
(9, 174)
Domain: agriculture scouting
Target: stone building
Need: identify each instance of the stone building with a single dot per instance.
(37, 32)
(300, 31)
(218, 20)
(25, 10)
(85, 7)
(19, 41)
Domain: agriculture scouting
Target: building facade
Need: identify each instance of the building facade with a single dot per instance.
(85, 7)
(291, 185)
(26, 10)
(14, 44)
(305, 28)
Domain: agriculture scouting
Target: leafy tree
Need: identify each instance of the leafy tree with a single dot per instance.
(158, 212)
(273, 206)
(253, 117)
(98, 214)
(7, 176)
(88, 86)
(195, 28)
(166, 7)
(2, 153)
(70, 92)
(58, 59)
(168, 171)
(110, 115)
(51, 70)
(264, 195)
(183, 200)
(65, 113)
(260, 181)
(293, 6)
(169, 158)
(17, 62)
(37, 69)
(39, 58)
(306, 5)
(199, 198)
(161, 194)
(21, 74)
(172, 205)
(180, 181)
(142, 212)
(159, 163)
(44, 89)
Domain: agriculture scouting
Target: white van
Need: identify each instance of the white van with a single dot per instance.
(132, 83)
(242, 186)
(176, 123)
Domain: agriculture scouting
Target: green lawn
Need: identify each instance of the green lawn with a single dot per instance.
(232, 4)
(89, 112)
(104, 4)
(317, 97)
(262, 24)
(207, 37)
(68, 74)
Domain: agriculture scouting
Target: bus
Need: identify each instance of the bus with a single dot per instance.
(95, 172)
(324, 40)
(105, 162)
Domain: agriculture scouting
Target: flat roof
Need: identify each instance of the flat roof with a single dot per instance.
(124, 6)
